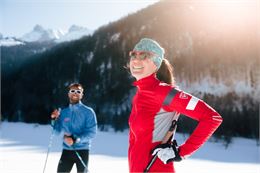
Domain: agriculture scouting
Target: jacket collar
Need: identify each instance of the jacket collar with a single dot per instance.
(147, 82)
(76, 105)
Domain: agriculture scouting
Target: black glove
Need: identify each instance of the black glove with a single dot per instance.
(167, 152)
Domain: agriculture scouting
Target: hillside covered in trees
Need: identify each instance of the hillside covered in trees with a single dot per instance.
(214, 53)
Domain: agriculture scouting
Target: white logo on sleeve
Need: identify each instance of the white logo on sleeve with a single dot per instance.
(192, 103)
(183, 95)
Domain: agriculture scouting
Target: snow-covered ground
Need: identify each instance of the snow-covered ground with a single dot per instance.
(23, 149)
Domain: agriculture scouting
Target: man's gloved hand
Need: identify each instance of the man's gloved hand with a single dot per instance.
(167, 152)
(71, 139)
(68, 139)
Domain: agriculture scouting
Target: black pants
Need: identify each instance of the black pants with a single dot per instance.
(69, 157)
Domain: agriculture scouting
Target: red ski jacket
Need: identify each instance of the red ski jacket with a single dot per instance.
(150, 120)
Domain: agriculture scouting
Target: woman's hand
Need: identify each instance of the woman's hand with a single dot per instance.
(167, 152)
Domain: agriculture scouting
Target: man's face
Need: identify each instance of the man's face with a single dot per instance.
(75, 94)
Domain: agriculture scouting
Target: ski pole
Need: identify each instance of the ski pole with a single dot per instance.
(165, 140)
(80, 158)
(49, 147)
(50, 143)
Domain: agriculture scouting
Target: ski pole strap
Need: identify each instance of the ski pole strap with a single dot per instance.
(170, 96)
(173, 125)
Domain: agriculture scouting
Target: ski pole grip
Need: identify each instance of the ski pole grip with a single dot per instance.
(167, 137)
(56, 117)
(53, 120)
(170, 132)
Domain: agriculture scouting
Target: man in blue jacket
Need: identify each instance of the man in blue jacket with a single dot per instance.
(79, 125)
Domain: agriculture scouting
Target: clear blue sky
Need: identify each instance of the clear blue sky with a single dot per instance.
(18, 17)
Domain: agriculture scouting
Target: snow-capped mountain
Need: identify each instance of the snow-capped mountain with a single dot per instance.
(9, 41)
(74, 32)
(39, 34)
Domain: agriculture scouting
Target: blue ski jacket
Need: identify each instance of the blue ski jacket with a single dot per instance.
(78, 121)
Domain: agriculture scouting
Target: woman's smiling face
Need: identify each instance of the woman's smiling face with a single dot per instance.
(141, 66)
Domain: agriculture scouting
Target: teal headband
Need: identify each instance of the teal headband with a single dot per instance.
(149, 45)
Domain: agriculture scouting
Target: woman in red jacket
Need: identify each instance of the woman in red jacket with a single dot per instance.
(155, 105)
